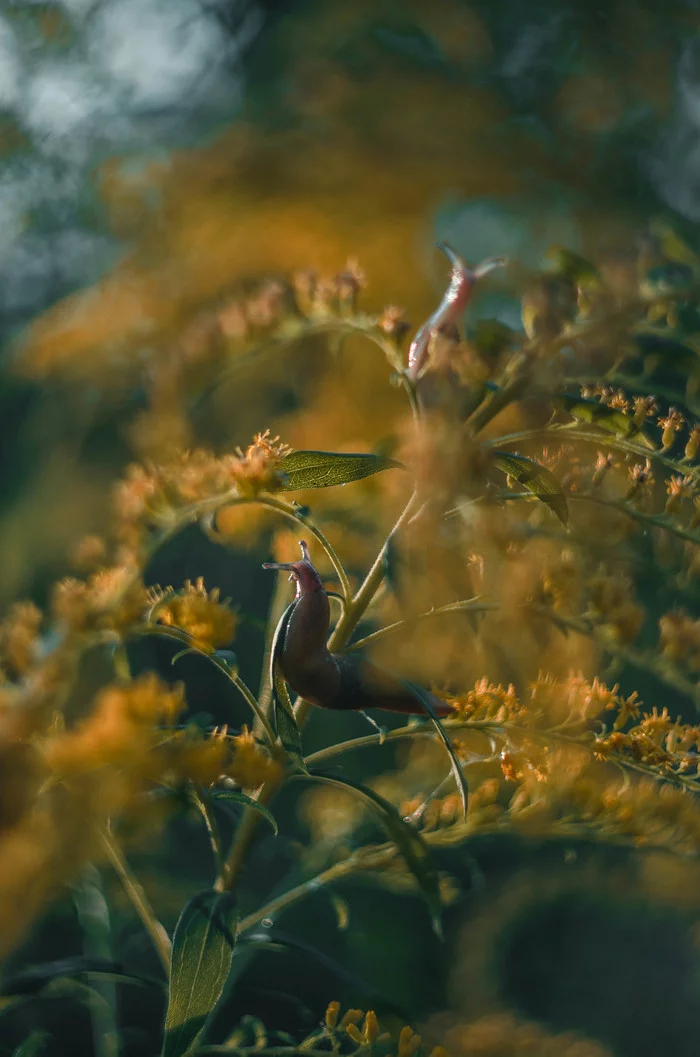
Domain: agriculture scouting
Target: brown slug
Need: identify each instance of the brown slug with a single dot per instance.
(331, 680)
(450, 309)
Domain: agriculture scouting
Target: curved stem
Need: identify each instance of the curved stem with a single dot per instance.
(293, 514)
(259, 712)
(234, 862)
(202, 801)
(470, 605)
(357, 606)
(138, 898)
(566, 432)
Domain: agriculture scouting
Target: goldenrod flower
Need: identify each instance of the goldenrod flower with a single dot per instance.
(332, 1015)
(252, 766)
(207, 621)
(671, 424)
(19, 633)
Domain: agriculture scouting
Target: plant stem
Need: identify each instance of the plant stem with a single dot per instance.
(234, 862)
(256, 707)
(362, 859)
(138, 898)
(471, 605)
(204, 805)
(354, 611)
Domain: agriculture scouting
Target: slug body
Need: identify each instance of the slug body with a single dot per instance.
(450, 309)
(329, 680)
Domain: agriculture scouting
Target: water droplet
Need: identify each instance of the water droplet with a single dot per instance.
(266, 923)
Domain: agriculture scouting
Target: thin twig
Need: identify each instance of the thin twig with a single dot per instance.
(138, 898)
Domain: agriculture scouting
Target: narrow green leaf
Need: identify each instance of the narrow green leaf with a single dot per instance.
(202, 951)
(33, 1045)
(32, 980)
(609, 419)
(536, 479)
(426, 701)
(413, 848)
(323, 469)
(283, 943)
(285, 720)
(237, 797)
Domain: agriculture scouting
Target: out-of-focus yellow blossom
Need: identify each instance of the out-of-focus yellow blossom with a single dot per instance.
(252, 765)
(19, 633)
(199, 760)
(120, 729)
(210, 623)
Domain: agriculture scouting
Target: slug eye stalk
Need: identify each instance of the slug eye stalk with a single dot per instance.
(303, 572)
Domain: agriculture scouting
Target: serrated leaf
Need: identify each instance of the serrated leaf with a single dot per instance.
(202, 951)
(323, 469)
(609, 419)
(411, 845)
(536, 479)
(285, 720)
(235, 796)
(426, 701)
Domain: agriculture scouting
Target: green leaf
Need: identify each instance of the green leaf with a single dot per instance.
(32, 980)
(202, 951)
(536, 479)
(413, 848)
(609, 419)
(426, 701)
(323, 469)
(237, 797)
(33, 1045)
(285, 720)
(282, 943)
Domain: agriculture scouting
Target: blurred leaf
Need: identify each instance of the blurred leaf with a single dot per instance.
(671, 243)
(609, 419)
(661, 350)
(237, 797)
(536, 479)
(32, 980)
(322, 469)
(285, 720)
(33, 1045)
(282, 943)
(424, 698)
(667, 278)
(202, 951)
(413, 848)
(560, 261)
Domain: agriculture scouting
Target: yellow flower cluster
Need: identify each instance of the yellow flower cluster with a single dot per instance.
(503, 1034)
(365, 1031)
(19, 633)
(680, 638)
(252, 765)
(152, 494)
(120, 730)
(111, 598)
(209, 622)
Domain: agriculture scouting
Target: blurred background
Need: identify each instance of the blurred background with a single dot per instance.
(158, 157)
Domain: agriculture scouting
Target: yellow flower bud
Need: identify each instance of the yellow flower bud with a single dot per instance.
(332, 1015)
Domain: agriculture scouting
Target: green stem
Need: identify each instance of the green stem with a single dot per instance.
(203, 803)
(138, 898)
(354, 611)
(257, 709)
(566, 432)
(470, 605)
(233, 864)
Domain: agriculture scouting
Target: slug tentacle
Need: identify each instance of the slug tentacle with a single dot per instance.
(336, 681)
(450, 309)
